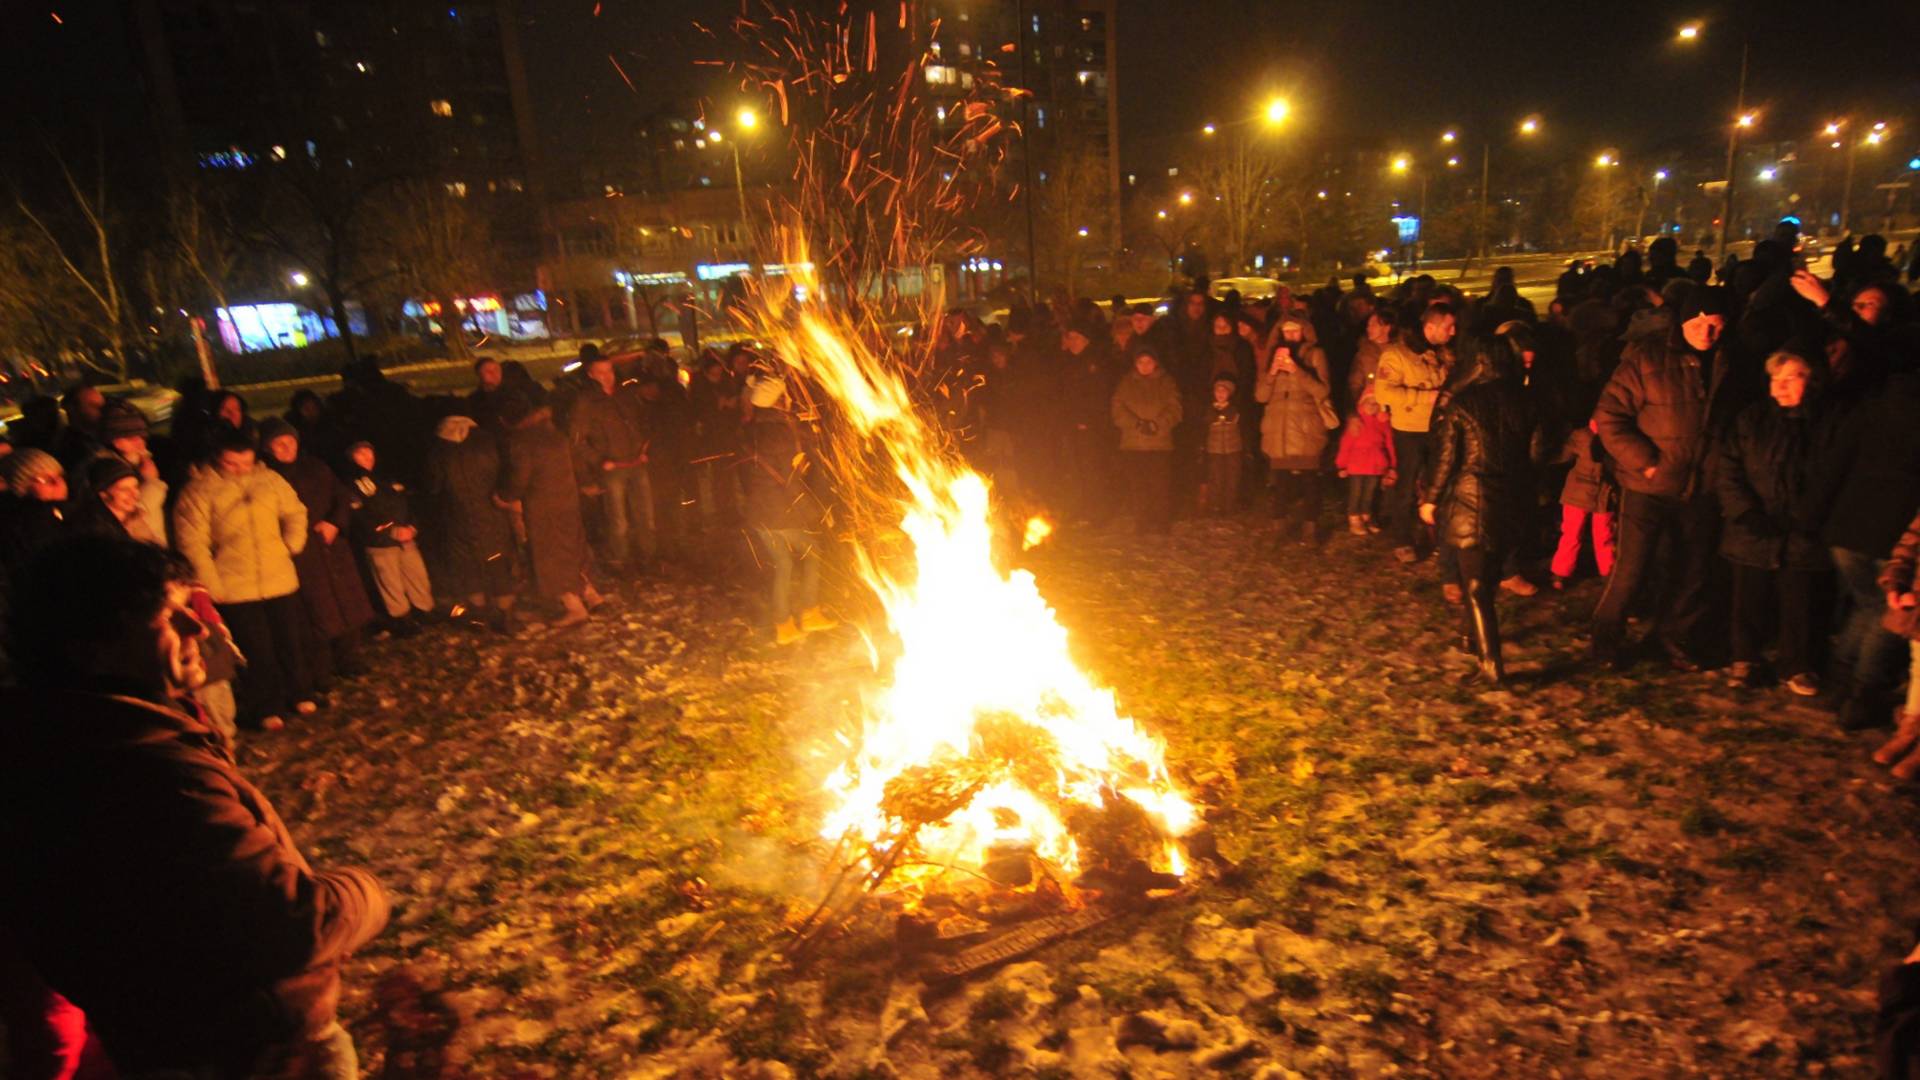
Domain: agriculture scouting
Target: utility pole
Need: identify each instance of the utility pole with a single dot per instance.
(1486, 155)
(1846, 186)
(1733, 146)
(1026, 152)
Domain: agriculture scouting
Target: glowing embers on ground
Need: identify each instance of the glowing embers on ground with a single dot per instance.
(986, 750)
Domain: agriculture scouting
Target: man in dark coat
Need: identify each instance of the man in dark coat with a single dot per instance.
(463, 478)
(539, 482)
(608, 428)
(782, 510)
(1872, 477)
(1480, 487)
(1656, 418)
(148, 883)
(330, 584)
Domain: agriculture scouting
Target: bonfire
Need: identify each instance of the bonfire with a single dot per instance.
(987, 760)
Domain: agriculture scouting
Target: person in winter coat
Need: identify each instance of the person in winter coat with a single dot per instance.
(112, 505)
(331, 589)
(1083, 386)
(34, 507)
(1872, 477)
(240, 526)
(1365, 460)
(1411, 382)
(787, 517)
(1587, 499)
(1765, 478)
(1656, 420)
(608, 429)
(1900, 583)
(1378, 334)
(463, 478)
(149, 883)
(1225, 447)
(1293, 428)
(1146, 408)
(384, 527)
(714, 400)
(123, 430)
(1480, 489)
(539, 485)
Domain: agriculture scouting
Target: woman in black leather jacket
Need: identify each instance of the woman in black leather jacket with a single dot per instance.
(1480, 487)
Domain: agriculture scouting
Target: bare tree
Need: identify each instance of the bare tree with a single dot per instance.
(85, 253)
(1071, 216)
(315, 214)
(437, 246)
(1235, 183)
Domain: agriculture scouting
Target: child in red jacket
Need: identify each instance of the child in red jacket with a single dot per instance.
(1366, 460)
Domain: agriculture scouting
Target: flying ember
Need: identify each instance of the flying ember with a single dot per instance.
(984, 741)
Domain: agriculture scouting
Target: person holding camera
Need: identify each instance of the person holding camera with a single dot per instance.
(1293, 430)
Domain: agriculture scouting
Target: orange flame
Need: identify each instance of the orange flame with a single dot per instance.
(977, 648)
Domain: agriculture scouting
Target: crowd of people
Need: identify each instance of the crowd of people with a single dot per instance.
(1730, 450)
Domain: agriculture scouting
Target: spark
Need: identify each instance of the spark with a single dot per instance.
(622, 71)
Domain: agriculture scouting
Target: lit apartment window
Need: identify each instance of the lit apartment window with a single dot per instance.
(941, 75)
(1173, 170)
(457, 188)
(966, 48)
(443, 107)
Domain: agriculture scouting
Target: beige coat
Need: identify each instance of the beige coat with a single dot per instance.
(1146, 409)
(1408, 383)
(1293, 433)
(241, 534)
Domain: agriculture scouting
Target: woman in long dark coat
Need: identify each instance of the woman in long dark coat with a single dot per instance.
(331, 588)
(463, 479)
(540, 480)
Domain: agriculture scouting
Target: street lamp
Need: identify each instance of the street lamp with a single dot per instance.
(1447, 136)
(747, 119)
(1874, 137)
(1186, 198)
(1606, 162)
(1529, 126)
(1207, 129)
(1277, 110)
(1689, 31)
(298, 278)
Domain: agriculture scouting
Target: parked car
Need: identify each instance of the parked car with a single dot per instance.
(1250, 288)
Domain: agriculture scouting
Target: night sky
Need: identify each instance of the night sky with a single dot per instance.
(1364, 71)
(1367, 72)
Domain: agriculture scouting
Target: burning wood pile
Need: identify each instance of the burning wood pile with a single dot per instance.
(991, 780)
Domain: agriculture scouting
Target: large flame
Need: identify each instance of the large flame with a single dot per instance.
(982, 687)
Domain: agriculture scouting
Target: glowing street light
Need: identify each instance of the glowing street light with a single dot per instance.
(747, 119)
(1689, 32)
(1875, 138)
(1530, 126)
(1604, 160)
(1083, 231)
(299, 279)
(1447, 136)
(1402, 163)
(1746, 120)
(1278, 110)
(1186, 198)
(1161, 214)
(1453, 162)
(1659, 175)
(1207, 130)
(714, 136)
(1831, 129)
(1768, 173)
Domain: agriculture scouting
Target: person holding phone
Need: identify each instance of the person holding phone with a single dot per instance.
(1296, 393)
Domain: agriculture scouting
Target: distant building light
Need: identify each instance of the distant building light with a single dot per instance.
(721, 271)
(441, 107)
(279, 153)
(1768, 173)
(360, 66)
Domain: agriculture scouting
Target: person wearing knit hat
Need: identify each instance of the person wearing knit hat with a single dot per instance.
(124, 431)
(112, 504)
(27, 467)
(1653, 421)
(33, 512)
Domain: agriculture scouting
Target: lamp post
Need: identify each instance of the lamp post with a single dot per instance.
(1606, 164)
(745, 120)
(1872, 138)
